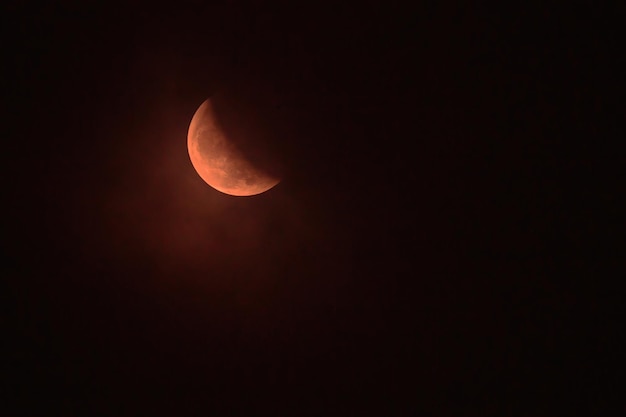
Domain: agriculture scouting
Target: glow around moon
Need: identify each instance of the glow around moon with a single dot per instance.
(218, 161)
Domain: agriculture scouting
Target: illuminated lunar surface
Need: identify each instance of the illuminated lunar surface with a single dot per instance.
(218, 161)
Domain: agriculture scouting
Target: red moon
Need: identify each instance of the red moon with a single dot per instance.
(218, 161)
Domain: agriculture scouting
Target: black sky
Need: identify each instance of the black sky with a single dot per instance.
(443, 240)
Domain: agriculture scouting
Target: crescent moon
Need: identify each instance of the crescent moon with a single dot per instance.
(218, 161)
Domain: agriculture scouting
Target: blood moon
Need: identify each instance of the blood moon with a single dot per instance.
(219, 162)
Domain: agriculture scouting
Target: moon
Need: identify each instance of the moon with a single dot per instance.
(219, 162)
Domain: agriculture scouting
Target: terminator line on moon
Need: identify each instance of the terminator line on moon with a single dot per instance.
(218, 161)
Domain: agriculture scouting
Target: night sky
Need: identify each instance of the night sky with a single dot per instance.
(443, 241)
